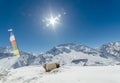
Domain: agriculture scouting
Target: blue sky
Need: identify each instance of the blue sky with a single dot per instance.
(88, 22)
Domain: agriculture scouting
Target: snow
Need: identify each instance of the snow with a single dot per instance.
(67, 58)
(80, 64)
(66, 74)
(7, 63)
(66, 54)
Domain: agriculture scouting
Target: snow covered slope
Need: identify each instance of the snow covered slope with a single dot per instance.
(66, 74)
(7, 63)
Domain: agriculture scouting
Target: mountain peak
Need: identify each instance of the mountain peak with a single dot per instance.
(112, 48)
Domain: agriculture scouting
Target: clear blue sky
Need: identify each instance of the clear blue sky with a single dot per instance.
(89, 22)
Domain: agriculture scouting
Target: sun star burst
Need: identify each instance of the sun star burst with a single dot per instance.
(52, 21)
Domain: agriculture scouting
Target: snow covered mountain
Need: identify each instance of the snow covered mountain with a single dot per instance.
(5, 50)
(65, 54)
(74, 54)
(111, 49)
(67, 48)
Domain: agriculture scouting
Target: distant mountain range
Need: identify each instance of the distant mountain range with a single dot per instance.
(65, 54)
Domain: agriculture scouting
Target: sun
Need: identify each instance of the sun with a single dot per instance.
(52, 21)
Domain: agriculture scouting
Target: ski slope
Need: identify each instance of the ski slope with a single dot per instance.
(66, 74)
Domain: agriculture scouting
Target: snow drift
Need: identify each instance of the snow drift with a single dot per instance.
(66, 74)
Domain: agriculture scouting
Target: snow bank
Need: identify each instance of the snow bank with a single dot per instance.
(69, 74)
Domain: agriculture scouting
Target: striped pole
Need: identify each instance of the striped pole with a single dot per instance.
(14, 43)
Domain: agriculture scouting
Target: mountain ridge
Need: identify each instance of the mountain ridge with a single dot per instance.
(68, 54)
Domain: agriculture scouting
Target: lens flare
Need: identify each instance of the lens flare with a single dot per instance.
(52, 21)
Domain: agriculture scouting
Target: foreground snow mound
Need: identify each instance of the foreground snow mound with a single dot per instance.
(7, 62)
(67, 74)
